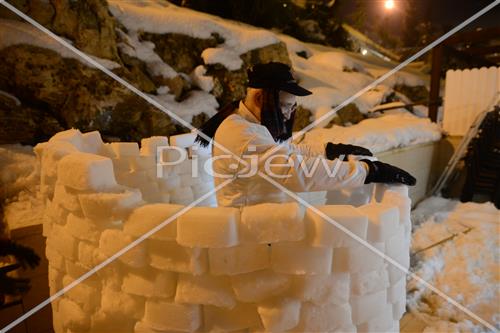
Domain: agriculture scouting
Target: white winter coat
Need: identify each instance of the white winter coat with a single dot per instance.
(242, 134)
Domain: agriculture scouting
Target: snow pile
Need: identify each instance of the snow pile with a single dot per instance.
(465, 266)
(211, 269)
(19, 184)
(393, 130)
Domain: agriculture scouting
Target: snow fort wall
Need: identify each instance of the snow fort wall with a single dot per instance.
(268, 267)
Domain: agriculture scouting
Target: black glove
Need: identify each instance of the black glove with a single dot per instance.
(10, 285)
(24, 255)
(380, 172)
(334, 150)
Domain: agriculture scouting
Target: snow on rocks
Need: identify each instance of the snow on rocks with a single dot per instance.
(268, 267)
(168, 18)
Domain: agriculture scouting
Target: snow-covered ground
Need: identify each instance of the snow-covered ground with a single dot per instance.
(19, 186)
(465, 266)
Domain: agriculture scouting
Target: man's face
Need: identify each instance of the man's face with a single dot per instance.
(288, 104)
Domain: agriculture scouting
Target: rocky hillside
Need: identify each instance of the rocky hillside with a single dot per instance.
(191, 63)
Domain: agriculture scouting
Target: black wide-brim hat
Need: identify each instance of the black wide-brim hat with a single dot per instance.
(275, 75)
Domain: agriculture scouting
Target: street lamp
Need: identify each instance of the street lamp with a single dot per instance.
(389, 4)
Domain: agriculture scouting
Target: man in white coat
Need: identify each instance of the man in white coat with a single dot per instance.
(253, 138)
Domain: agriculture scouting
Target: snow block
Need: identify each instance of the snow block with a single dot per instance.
(82, 171)
(397, 291)
(151, 192)
(83, 228)
(92, 142)
(62, 241)
(322, 289)
(149, 145)
(72, 315)
(357, 259)
(87, 254)
(398, 309)
(166, 255)
(56, 213)
(205, 289)
(368, 306)
(288, 223)
(121, 305)
(257, 286)
(122, 149)
(380, 323)
(397, 248)
(113, 240)
(323, 233)
(369, 282)
(280, 315)
(56, 260)
(103, 322)
(162, 315)
(383, 221)
(238, 259)
(112, 205)
(86, 295)
(66, 198)
(208, 227)
(395, 274)
(323, 318)
(298, 258)
(150, 283)
(147, 217)
(402, 202)
(72, 136)
(75, 269)
(53, 152)
(183, 140)
(241, 317)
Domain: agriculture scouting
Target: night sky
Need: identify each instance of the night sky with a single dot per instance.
(444, 13)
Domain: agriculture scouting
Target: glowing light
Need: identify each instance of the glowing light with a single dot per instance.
(364, 51)
(389, 4)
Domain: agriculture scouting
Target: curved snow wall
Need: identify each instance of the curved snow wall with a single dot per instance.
(269, 267)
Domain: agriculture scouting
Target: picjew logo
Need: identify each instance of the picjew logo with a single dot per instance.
(278, 166)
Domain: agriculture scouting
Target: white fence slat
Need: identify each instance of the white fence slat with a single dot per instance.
(467, 93)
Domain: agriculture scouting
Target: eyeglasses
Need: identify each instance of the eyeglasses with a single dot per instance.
(289, 107)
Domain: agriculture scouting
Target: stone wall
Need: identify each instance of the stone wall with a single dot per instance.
(268, 267)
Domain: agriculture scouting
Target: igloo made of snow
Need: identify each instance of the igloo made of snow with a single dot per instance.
(163, 266)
